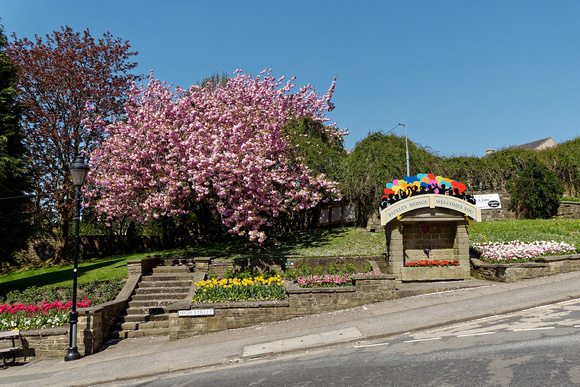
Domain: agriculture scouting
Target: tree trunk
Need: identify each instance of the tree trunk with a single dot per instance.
(61, 239)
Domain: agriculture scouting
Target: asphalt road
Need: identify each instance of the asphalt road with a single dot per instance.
(537, 347)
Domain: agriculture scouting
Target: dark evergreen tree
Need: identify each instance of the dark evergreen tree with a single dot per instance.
(15, 224)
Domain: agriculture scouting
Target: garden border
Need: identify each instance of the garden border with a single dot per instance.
(512, 272)
(366, 289)
(94, 324)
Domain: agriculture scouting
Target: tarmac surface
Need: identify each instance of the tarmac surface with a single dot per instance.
(422, 306)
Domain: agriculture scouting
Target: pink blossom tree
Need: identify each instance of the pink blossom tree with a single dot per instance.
(225, 147)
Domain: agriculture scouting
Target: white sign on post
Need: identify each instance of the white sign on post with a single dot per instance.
(487, 202)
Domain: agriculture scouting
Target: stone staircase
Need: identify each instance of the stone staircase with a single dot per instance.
(146, 315)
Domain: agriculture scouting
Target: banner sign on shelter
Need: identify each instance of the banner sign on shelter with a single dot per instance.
(426, 191)
(487, 202)
(430, 201)
(422, 184)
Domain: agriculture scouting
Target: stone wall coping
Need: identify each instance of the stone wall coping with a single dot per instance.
(149, 258)
(55, 331)
(304, 257)
(203, 259)
(123, 296)
(186, 305)
(563, 257)
(374, 277)
(322, 289)
(336, 257)
(479, 263)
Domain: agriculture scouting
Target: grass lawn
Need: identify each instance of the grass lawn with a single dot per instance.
(528, 230)
(347, 241)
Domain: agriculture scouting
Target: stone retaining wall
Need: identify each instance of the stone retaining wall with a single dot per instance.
(569, 210)
(50, 343)
(366, 289)
(220, 266)
(94, 323)
(512, 272)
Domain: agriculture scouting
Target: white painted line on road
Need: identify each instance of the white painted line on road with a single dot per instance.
(576, 326)
(414, 341)
(476, 334)
(370, 345)
(532, 329)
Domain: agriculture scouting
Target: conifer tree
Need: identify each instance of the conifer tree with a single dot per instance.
(15, 227)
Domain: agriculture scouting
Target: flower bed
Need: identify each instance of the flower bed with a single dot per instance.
(23, 316)
(517, 251)
(312, 281)
(324, 280)
(428, 263)
(236, 289)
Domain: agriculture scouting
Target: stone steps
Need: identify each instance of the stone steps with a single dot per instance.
(163, 296)
(146, 315)
(140, 333)
(133, 326)
(164, 283)
(166, 277)
(158, 290)
(136, 318)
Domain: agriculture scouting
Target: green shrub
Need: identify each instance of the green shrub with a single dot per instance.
(536, 191)
(97, 292)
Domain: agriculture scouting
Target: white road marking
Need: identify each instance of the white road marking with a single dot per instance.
(532, 329)
(413, 341)
(476, 334)
(370, 345)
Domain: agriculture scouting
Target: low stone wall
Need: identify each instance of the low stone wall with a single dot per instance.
(94, 324)
(512, 272)
(569, 210)
(430, 274)
(220, 266)
(50, 343)
(366, 289)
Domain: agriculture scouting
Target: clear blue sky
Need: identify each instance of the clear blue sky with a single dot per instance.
(462, 75)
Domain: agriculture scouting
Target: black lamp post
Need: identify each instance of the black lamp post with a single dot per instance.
(78, 170)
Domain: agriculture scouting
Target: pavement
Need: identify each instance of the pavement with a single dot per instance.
(424, 305)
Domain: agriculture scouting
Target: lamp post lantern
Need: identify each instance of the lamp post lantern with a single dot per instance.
(78, 170)
(406, 147)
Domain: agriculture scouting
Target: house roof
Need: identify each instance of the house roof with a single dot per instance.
(536, 144)
(544, 143)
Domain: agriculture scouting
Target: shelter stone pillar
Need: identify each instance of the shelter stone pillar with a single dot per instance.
(395, 248)
(461, 247)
